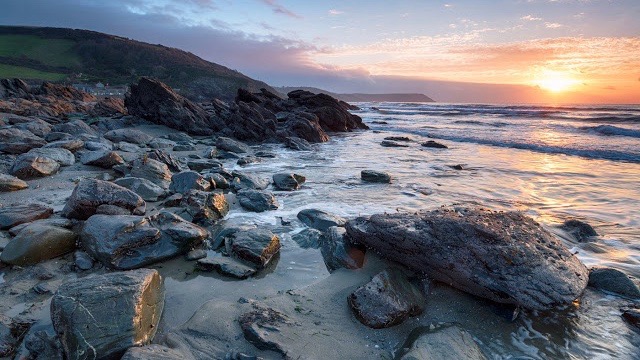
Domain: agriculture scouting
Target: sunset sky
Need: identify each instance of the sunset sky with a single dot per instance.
(461, 51)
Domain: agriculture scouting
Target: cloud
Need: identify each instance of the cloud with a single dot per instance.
(550, 25)
(531, 18)
(279, 9)
(334, 12)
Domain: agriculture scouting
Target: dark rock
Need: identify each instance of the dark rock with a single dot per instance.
(161, 143)
(485, 253)
(228, 144)
(399, 138)
(379, 122)
(55, 136)
(332, 115)
(185, 148)
(188, 180)
(205, 208)
(11, 216)
(172, 163)
(101, 158)
(387, 300)
(101, 316)
(196, 254)
(57, 222)
(449, 342)
(375, 176)
(580, 230)
(243, 181)
(387, 143)
(261, 328)
(296, 143)
(179, 136)
(8, 342)
(247, 160)
(632, 317)
(288, 181)
(265, 154)
(91, 193)
(250, 122)
(613, 281)
(129, 242)
(37, 243)
(152, 170)
(13, 88)
(70, 144)
(456, 167)
(225, 230)
(17, 141)
(338, 252)
(255, 246)
(63, 156)
(173, 200)
(257, 200)
(82, 260)
(433, 144)
(305, 126)
(129, 135)
(107, 209)
(40, 343)
(11, 183)
(128, 147)
(32, 166)
(217, 181)
(226, 266)
(75, 127)
(155, 352)
(308, 238)
(35, 126)
(204, 164)
(319, 219)
(147, 190)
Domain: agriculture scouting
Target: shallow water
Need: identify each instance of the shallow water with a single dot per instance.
(551, 163)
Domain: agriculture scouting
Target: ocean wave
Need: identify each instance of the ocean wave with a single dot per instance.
(481, 123)
(611, 130)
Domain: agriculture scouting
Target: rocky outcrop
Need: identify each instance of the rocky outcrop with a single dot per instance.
(332, 115)
(101, 316)
(89, 194)
(503, 256)
(13, 88)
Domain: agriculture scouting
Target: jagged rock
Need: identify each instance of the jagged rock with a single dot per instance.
(63, 156)
(261, 328)
(288, 181)
(243, 181)
(257, 200)
(188, 180)
(433, 144)
(319, 219)
(108, 106)
(308, 238)
(296, 143)
(305, 126)
(387, 300)
(338, 252)
(69, 144)
(255, 246)
(40, 343)
(13, 215)
(11, 183)
(101, 158)
(389, 143)
(17, 141)
(129, 242)
(332, 115)
(35, 126)
(36, 243)
(91, 193)
(172, 163)
(485, 253)
(28, 166)
(152, 170)
(147, 190)
(613, 281)
(155, 352)
(228, 144)
(632, 316)
(129, 135)
(226, 266)
(82, 260)
(250, 122)
(217, 181)
(203, 164)
(13, 88)
(375, 176)
(399, 138)
(203, 207)
(580, 230)
(101, 316)
(448, 343)
(75, 127)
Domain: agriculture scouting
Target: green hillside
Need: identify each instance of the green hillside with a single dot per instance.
(69, 55)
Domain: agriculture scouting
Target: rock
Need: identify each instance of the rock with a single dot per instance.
(375, 176)
(387, 300)
(128, 147)
(257, 200)
(613, 281)
(204, 164)
(91, 193)
(196, 254)
(129, 242)
(55, 136)
(17, 141)
(255, 246)
(205, 208)
(304, 125)
(82, 260)
(107, 209)
(338, 252)
(37, 243)
(40, 343)
(456, 167)
(288, 181)
(147, 190)
(332, 115)
(217, 181)
(228, 144)
(226, 266)
(129, 135)
(154, 101)
(435, 145)
(160, 143)
(185, 148)
(448, 343)
(57, 222)
(308, 238)
(152, 170)
(75, 127)
(13, 88)
(580, 230)
(101, 158)
(35, 126)
(296, 143)
(28, 166)
(70, 144)
(319, 219)
(172, 163)
(11, 216)
(247, 160)
(185, 181)
(11, 183)
(101, 316)
(387, 143)
(155, 352)
(485, 253)
(224, 230)
(632, 317)
(8, 342)
(248, 122)
(243, 181)
(63, 156)
(261, 328)
(399, 138)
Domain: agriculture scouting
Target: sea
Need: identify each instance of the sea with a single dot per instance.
(553, 163)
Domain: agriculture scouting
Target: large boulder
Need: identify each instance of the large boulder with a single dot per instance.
(154, 101)
(101, 316)
(128, 242)
(243, 181)
(63, 156)
(503, 256)
(338, 252)
(288, 181)
(332, 115)
(38, 242)
(28, 166)
(13, 215)
(18, 141)
(102, 158)
(613, 281)
(204, 208)
(89, 194)
(185, 181)
(75, 127)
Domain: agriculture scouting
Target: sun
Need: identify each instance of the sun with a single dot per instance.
(555, 81)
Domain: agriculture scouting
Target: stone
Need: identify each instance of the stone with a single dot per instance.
(101, 316)
(245, 181)
(387, 300)
(503, 256)
(147, 190)
(37, 243)
(91, 193)
(13, 215)
(196, 254)
(128, 147)
(17, 141)
(399, 138)
(332, 115)
(226, 266)
(187, 147)
(224, 230)
(632, 317)
(261, 328)
(75, 127)
(11, 183)
(28, 166)
(308, 238)
(129, 242)
(320, 220)
(152, 170)
(155, 352)
(374, 176)
(203, 164)
(580, 230)
(257, 200)
(129, 135)
(338, 252)
(63, 156)
(217, 181)
(613, 281)
(435, 145)
(185, 181)
(288, 181)
(40, 343)
(69, 144)
(108, 209)
(55, 136)
(231, 145)
(255, 246)
(160, 143)
(304, 125)
(248, 160)
(82, 260)
(205, 208)
(172, 163)
(102, 158)
(298, 144)
(388, 143)
(449, 342)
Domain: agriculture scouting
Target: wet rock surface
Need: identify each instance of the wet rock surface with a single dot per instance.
(580, 230)
(226, 266)
(204, 208)
(374, 176)
(338, 252)
(613, 281)
(153, 170)
(434, 145)
(89, 194)
(257, 200)
(288, 181)
(320, 220)
(255, 246)
(185, 181)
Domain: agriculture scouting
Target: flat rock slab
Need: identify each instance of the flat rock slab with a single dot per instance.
(320, 220)
(63, 156)
(226, 266)
(245, 181)
(434, 145)
(38, 242)
(449, 342)
(11, 216)
(503, 256)
(101, 316)
(11, 183)
(153, 170)
(89, 194)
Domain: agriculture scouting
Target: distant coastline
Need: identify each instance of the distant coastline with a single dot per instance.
(360, 97)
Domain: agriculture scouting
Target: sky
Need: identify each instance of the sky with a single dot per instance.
(522, 51)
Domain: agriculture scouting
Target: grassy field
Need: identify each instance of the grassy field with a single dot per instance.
(10, 71)
(53, 52)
